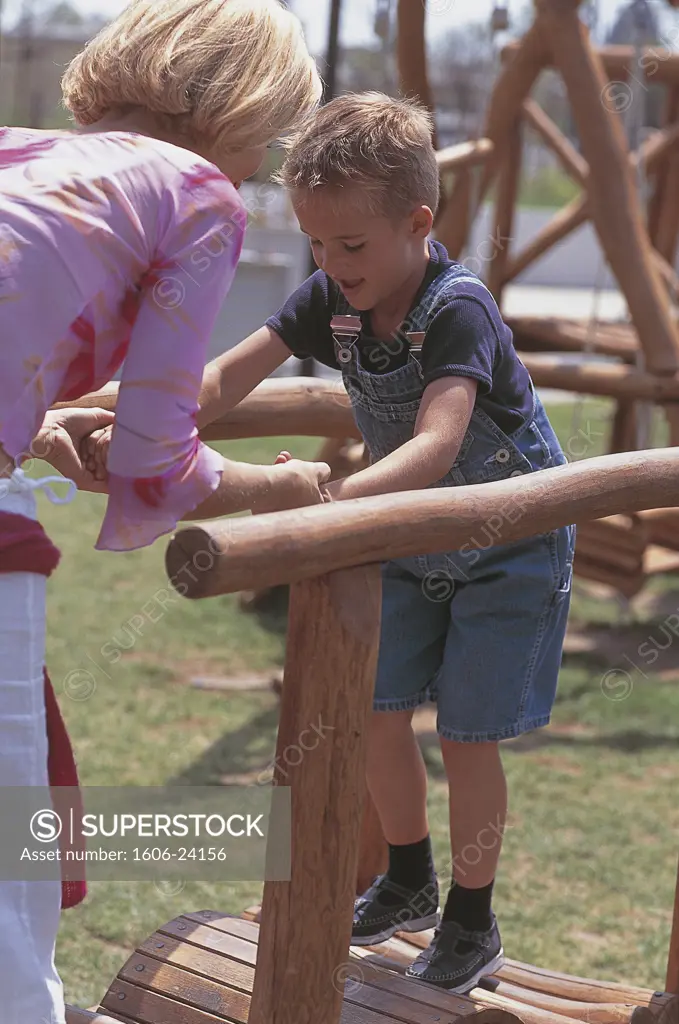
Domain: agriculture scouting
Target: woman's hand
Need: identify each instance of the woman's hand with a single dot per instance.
(60, 440)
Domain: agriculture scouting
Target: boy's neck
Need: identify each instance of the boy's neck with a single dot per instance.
(388, 315)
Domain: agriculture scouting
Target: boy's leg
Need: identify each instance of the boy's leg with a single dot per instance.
(498, 680)
(411, 650)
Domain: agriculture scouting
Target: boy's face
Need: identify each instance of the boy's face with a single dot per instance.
(370, 256)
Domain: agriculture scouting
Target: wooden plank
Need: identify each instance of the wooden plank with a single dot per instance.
(214, 939)
(593, 1013)
(152, 1008)
(268, 550)
(186, 987)
(569, 158)
(615, 204)
(331, 659)
(218, 966)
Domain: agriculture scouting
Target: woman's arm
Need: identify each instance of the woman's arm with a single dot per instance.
(445, 411)
(228, 379)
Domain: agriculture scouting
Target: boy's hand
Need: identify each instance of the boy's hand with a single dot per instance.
(326, 489)
(94, 452)
(294, 484)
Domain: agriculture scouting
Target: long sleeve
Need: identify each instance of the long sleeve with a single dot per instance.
(159, 469)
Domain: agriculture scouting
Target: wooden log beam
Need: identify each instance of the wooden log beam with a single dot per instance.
(302, 406)
(606, 379)
(660, 191)
(652, 153)
(505, 208)
(411, 54)
(453, 224)
(562, 224)
(569, 158)
(672, 981)
(655, 63)
(466, 154)
(331, 660)
(615, 205)
(557, 334)
(514, 83)
(625, 426)
(373, 857)
(290, 546)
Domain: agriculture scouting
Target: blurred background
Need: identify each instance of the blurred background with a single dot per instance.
(353, 41)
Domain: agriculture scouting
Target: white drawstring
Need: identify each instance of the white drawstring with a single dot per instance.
(19, 482)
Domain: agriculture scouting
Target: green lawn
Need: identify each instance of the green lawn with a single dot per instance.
(589, 862)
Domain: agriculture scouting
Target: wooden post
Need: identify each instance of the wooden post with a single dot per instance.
(615, 205)
(505, 206)
(657, 202)
(411, 53)
(515, 81)
(625, 423)
(331, 660)
(672, 983)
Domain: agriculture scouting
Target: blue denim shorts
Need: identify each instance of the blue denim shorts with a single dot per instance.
(487, 649)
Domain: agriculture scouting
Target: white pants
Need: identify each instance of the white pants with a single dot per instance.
(30, 989)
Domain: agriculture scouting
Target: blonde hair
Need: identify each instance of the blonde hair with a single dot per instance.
(227, 74)
(379, 146)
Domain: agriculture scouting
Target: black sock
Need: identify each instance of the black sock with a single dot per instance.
(410, 866)
(470, 908)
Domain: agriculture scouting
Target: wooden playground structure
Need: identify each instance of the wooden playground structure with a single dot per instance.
(296, 966)
(292, 963)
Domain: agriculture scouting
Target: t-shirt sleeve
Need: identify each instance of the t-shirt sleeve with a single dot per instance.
(461, 342)
(304, 321)
(159, 469)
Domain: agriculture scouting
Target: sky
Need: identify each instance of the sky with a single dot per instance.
(357, 15)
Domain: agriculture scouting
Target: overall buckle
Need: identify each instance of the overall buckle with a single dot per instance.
(345, 332)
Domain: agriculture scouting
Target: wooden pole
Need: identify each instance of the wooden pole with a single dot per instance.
(672, 982)
(615, 205)
(658, 198)
(505, 206)
(538, 334)
(569, 158)
(373, 857)
(411, 54)
(240, 553)
(331, 660)
(514, 83)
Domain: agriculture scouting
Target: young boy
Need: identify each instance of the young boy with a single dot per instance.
(441, 399)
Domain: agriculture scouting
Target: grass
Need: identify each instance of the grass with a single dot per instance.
(589, 862)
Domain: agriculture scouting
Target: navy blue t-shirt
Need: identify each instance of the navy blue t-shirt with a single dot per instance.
(462, 340)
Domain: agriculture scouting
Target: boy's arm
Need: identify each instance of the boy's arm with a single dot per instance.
(229, 378)
(445, 411)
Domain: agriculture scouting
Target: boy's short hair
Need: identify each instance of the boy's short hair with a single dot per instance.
(228, 75)
(372, 142)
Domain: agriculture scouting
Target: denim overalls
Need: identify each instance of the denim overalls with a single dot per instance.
(478, 631)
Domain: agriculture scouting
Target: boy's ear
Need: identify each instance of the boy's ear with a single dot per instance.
(422, 222)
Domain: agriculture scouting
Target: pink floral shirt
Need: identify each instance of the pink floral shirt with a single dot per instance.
(115, 247)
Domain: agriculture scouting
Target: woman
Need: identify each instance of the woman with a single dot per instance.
(119, 241)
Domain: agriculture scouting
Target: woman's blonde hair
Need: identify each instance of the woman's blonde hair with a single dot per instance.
(229, 75)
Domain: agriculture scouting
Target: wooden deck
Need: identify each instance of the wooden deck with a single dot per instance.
(200, 969)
